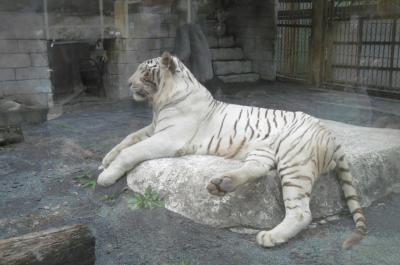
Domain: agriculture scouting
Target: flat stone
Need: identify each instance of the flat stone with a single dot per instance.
(239, 78)
(9, 46)
(7, 74)
(219, 42)
(13, 60)
(374, 155)
(232, 67)
(39, 59)
(227, 53)
(30, 73)
(13, 113)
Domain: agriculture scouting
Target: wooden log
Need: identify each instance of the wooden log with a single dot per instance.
(70, 245)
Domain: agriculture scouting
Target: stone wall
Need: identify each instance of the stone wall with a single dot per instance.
(152, 30)
(24, 37)
(253, 24)
(78, 19)
(24, 71)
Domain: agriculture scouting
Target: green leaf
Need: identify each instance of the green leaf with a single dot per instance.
(86, 180)
(149, 200)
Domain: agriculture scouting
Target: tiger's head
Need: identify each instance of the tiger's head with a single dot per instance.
(145, 82)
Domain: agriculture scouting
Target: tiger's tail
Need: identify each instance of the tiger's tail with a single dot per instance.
(352, 199)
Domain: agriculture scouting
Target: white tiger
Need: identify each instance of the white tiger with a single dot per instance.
(188, 120)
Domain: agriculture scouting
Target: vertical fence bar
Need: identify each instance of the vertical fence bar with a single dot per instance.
(317, 33)
(101, 11)
(46, 19)
(189, 11)
(359, 45)
(294, 38)
(392, 49)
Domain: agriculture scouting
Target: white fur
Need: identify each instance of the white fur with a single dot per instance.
(188, 120)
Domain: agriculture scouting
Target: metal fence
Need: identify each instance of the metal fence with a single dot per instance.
(293, 38)
(361, 42)
(362, 47)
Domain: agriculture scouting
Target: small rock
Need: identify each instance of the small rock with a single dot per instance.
(10, 135)
(46, 207)
(109, 248)
(332, 218)
(312, 225)
(322, 222)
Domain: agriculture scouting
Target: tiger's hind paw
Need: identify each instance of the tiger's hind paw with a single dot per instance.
(220, 186)
(264, 238)
(268, 239)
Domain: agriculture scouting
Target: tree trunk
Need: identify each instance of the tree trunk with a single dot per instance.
(70, 245)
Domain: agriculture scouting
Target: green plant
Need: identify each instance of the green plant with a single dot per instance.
(86, 180)
(62, 125)
(149, 200)
(109, 198)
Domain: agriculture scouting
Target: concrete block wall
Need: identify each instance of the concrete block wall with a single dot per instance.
(252, 22)
(24, 71)
(24, 67)
(24, 62)
(153, 32)
(78, 19)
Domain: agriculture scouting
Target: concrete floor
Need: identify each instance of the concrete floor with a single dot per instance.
(38, 190)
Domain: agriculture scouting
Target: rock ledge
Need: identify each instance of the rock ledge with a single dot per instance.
(373, 153)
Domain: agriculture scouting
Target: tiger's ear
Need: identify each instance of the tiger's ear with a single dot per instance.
(168, 61)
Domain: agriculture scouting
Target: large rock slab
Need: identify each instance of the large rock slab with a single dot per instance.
(238, 78)
(373, 153)
(216, 42)
(227, 53)
(14, 113)
(232, 67)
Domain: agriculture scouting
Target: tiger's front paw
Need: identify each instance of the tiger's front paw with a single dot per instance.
(221, 185)
(110, 156)
(108, 177)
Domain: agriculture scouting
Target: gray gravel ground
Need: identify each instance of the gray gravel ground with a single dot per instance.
(38, 190)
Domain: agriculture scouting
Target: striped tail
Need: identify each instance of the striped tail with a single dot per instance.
(352, 199)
